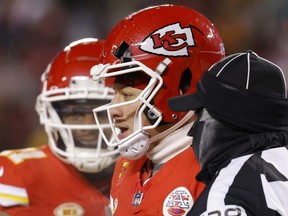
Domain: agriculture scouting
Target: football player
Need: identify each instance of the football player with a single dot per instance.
(149, 56)
(51, 179)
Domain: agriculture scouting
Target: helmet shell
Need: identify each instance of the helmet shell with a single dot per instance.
(153, 34)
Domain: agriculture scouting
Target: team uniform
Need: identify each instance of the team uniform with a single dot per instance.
(255, 184)
(171, 191)
(35, 182)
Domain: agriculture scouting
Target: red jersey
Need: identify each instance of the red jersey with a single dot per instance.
(34, 182)
(171, 191)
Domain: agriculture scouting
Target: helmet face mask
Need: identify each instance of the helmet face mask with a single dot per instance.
(151, 82)
(170, 44)
(78, 118)
(65, 107)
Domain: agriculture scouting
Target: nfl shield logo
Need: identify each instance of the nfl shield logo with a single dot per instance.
(137, 199)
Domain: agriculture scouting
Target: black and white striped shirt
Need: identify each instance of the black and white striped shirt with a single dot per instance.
(254, 184)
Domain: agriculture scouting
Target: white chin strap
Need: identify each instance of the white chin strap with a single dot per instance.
(135, 147)
(138, 145)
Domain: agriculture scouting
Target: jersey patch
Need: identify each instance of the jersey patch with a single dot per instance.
(69, 209)
(137, 199)
(178, 202)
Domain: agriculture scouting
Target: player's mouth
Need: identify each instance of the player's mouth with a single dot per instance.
(123, 132)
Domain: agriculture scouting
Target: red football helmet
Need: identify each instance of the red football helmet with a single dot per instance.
(68, 90)
(172, 45)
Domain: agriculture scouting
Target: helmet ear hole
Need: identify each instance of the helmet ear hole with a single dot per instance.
(150, 115)
(185, 81)
(123, 52)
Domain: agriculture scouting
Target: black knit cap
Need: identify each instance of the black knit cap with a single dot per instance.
(244, 90)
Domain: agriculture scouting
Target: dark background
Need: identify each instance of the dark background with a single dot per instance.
(32, 32)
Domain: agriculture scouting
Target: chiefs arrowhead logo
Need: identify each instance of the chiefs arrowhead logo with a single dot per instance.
(171, 40)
